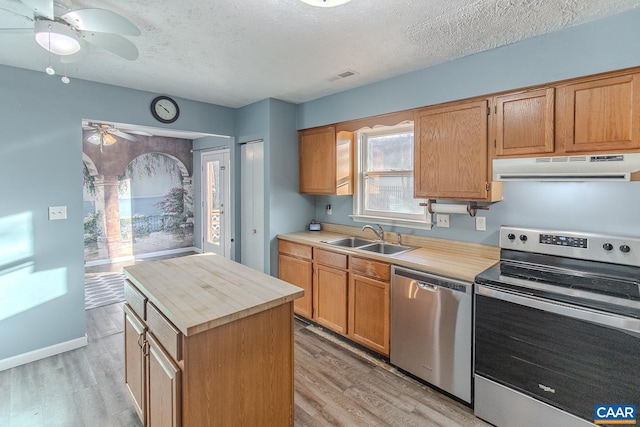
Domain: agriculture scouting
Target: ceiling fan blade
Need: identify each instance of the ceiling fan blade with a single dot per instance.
(102, 21)
(116, 132)
(113, 43)
(139, 132)
(41, 7)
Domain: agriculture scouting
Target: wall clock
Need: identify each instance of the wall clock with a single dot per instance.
(165, 109)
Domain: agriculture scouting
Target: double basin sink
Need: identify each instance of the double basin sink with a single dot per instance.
(367, 245)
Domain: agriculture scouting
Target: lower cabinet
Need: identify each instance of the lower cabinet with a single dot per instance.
(330, 290)
(295, 267)
(151, 375)
(134, 360)
(345, 293)
(163, 387)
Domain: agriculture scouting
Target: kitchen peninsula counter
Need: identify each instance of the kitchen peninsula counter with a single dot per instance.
(208, 342)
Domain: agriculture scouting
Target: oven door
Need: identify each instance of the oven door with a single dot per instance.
(566, 356)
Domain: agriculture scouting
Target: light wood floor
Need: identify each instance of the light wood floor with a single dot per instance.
(335, 386)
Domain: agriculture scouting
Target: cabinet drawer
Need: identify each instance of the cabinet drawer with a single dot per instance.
(375, 269)
(135, 299)
(331, 259)
(165, 332)
(295, 249)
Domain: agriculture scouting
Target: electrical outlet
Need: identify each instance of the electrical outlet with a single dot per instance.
(329, 210)
(442, 220)
(481, 223)
(57, 212)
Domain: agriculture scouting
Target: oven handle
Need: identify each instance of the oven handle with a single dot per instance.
(628, 324)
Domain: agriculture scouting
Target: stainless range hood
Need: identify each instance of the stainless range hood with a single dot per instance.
(596, 167)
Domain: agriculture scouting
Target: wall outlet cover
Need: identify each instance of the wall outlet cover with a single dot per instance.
(481, 223)
(442, 220)
(57, 212)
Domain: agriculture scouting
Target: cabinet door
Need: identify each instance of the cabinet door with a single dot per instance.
(451, 152)
(317, 152)
(163, 387)
(298, 272)
(330, 298)
(525, 123)
(134, 366)
(369, 313)
(600, 115)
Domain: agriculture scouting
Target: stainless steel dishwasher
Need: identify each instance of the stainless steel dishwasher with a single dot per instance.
(431, 329)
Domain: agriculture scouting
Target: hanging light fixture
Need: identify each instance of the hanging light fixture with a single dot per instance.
(57, 38)
(108, 139)
(325, 3)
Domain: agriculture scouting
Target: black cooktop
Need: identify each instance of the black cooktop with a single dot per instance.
(561, 276)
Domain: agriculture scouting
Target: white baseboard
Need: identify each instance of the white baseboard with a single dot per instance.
(32, 356)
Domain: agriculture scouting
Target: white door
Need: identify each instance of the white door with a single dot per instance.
(216, 218)
(252, 209)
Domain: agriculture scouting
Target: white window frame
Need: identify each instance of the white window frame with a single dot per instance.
(360, 213)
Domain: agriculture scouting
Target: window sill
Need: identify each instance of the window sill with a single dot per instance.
(421, 225)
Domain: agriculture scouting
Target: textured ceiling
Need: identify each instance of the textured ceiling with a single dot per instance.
(236, 52)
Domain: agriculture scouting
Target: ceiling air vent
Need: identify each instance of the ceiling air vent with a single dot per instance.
(342, 75)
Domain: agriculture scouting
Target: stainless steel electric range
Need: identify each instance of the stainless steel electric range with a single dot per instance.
(557, 328)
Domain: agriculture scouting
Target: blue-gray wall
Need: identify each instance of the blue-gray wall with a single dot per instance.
(599, 46)
(274, 122)
(41, 166)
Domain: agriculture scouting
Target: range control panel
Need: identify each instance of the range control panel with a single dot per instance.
(560, 240)
(589, 246)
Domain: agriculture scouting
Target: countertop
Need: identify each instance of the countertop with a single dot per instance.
(457, 260)
(204, 291)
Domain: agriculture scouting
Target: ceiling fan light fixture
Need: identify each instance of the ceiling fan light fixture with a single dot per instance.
(94, 139)
(108, 139)
(325, 3)
(57, 38)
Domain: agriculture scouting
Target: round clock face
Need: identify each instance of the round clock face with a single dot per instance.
(165, 109)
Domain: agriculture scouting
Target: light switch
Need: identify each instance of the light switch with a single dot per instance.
(57, 212)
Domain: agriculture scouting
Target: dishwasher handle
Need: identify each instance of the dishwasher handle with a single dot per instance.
(426, 286)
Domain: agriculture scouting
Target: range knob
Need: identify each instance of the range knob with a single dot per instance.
(607, 246)
(523, 237)
(625, 248)
(511, 236)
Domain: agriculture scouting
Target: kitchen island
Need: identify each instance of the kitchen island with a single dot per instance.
(208, 342)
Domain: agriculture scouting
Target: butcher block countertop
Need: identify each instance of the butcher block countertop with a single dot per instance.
(457, 260)
(200, 292)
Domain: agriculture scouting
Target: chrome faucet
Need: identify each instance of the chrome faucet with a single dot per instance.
(379, 232)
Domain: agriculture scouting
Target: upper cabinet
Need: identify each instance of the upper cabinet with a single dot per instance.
(451, 158)
(599, 114)
(524, 123)
(326, 161)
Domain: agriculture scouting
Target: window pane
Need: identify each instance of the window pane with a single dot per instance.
(391, 194)
(390, 152)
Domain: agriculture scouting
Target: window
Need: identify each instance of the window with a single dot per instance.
(384, 189)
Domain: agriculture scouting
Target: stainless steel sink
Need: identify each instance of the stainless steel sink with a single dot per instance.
(386, 248)
(348, 242)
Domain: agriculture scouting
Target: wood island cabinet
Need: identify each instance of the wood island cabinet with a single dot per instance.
(451, 158)
(295, 266)
(599, 114)
(208, 342)
(326, 161)
(524, 123)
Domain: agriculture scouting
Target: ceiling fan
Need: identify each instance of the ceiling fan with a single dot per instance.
(105, 134)
(68, 32)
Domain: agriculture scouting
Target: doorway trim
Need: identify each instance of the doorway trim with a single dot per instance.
(225, 216)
